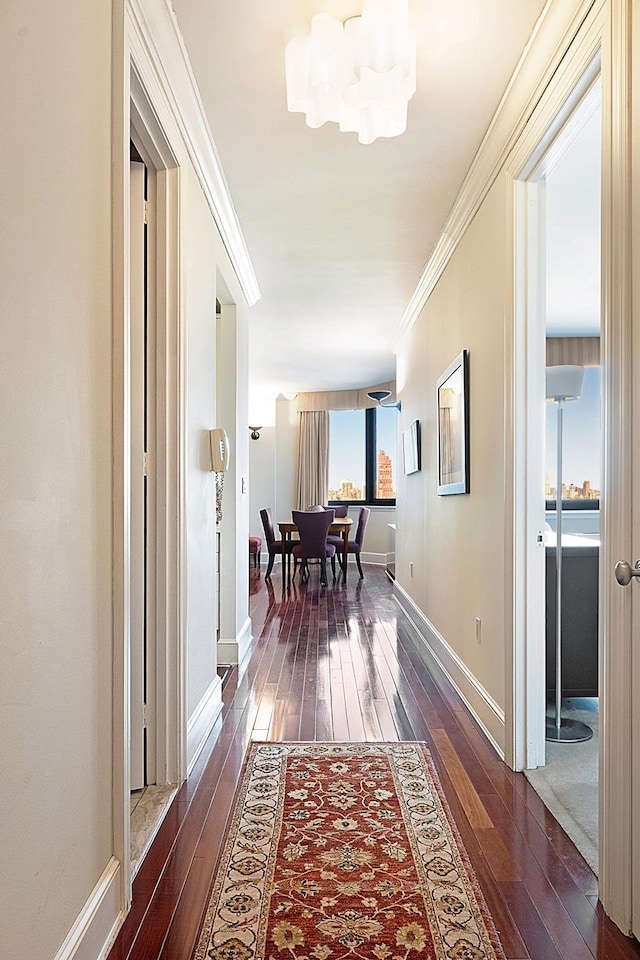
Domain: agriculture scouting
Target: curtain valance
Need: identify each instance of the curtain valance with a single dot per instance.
(581, 351)
(344, 399)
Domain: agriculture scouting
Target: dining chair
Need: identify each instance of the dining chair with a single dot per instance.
(340, 510)
(313, 529)
(274, 546)
(354, 546)
(255, 546)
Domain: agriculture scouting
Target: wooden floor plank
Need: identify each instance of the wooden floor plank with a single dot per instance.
(473, 806)
(532, 929)
(339, 663)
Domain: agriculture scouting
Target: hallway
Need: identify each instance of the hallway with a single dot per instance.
(342, 663)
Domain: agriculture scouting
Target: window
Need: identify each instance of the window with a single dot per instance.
(581, 448)
(362, 455)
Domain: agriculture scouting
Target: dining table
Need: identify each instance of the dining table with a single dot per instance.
(287, 528)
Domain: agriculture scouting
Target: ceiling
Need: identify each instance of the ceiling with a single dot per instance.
(338, 232)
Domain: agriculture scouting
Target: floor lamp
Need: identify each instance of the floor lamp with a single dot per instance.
(564, 383)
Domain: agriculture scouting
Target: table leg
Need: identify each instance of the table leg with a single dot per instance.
(289, 546)
(345, 553)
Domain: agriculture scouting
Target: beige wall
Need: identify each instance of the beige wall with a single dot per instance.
(272, 466)
(286, 457)
(56, 669)
(199, 273)
(232, 399)
(377, 535)
(456, 543)
(55, 478)
(262, 479)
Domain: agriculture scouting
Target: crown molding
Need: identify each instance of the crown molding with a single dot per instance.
(556, 27)
(154, 25)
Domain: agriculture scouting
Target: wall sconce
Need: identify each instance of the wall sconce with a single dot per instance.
(380, 395)
(255, 432)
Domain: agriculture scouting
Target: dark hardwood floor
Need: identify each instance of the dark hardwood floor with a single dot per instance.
(342, 663)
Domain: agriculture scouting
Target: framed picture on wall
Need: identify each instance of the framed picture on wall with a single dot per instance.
(453, 427)
(411, 447)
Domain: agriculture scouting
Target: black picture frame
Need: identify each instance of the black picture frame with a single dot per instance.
(452, 418)
(411, 448)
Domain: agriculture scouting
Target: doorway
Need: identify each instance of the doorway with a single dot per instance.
(150, 796)
(149, 730)
(601, 49)
(141, 700)
(567, 192)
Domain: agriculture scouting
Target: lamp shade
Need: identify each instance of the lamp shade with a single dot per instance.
(564, 382)
(359, 74)
(379, 395)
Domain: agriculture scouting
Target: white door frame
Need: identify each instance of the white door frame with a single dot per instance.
(603, 40)
(140, 109)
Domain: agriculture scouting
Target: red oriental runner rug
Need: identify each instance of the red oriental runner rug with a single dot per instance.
(344, 850)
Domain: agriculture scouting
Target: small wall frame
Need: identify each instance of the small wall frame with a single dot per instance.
(411, 447)
(452, 391)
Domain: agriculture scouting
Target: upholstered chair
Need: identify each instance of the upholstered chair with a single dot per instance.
(274, 546)
(313, 528)
(340, 510)
(255, 546)
(355, 545)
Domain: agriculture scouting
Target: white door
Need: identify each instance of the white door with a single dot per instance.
(138, 524)
(624, 587)
(635, 735)
(627, 574)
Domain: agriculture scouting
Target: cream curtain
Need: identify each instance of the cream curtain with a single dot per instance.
(312, 481)
(582, 351)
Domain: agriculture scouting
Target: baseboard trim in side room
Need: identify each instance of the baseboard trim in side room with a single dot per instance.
(483, 707)
(95, 928)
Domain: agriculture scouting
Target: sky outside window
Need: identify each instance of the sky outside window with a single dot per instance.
(580, 438)
(347, 455)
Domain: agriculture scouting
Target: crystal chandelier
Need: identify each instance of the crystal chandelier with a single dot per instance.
(359, 74)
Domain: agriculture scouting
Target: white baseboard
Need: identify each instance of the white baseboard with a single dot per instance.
(201, 721)
(233, 652)
(97, 925)
(484, 708)
(380, 558)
